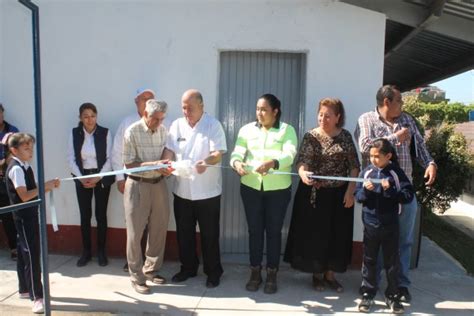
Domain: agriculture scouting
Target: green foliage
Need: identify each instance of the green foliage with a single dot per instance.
(449, 150)
(455, 166)
(433, 114)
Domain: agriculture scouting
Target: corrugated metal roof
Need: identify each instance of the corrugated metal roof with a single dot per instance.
(463, 9)
(426, 58)
(460, 8)
(425, 40)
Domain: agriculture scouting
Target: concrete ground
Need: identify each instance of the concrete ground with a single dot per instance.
(440, 287)
(461, 216)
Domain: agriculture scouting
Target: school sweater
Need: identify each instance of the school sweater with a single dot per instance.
(384, 203)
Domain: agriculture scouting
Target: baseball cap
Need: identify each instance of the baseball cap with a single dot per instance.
(140, 91)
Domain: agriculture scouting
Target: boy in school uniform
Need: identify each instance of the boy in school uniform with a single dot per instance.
(380, 212)
(21, 187)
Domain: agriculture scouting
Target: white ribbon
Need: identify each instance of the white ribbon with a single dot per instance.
(184, 168)
(54, 217)
(52, 207)
(116, 172)
(313, 176)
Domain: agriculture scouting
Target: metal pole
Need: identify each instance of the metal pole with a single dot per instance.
(39, 150)
(19, 206)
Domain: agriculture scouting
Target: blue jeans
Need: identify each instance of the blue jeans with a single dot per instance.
(407, 221)
(407, 231)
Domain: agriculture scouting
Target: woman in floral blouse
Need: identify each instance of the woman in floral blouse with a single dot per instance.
(320, 235)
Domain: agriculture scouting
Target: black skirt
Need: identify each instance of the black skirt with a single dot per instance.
(320, 236)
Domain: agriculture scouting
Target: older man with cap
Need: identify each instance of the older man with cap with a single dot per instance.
(146, 195)
(200, 139)
(141, 97)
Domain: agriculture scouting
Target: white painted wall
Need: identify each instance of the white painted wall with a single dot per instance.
(101, 51)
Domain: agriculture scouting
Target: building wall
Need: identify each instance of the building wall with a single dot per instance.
(1, 48)
(102, 51)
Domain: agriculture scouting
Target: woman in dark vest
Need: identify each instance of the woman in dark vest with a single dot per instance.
(89, 151)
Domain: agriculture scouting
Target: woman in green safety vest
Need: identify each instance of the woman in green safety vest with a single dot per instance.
(261, 148)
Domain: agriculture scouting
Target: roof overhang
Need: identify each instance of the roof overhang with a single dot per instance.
(425, 40)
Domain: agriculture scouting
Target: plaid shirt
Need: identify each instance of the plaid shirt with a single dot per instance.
(141, 144)
(372, 126)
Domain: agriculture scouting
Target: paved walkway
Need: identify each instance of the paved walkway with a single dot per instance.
(460, 215)
(440, 287)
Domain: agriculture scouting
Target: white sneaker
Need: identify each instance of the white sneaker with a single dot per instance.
(25, 295)
(38, 306)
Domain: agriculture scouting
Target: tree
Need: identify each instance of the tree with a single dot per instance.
(433, 114)
(455, 167)
(448, 148)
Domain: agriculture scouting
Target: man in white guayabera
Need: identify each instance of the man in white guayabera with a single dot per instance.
(197, 139)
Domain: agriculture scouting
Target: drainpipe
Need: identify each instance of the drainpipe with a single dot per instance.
(39, 150)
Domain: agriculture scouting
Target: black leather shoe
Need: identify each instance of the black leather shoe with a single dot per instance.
(125, 267)
(212, 282)
(102, 258)
(183, 276)
(83, 260)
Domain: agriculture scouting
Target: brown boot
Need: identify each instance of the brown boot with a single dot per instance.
(255, 279)
(271, 281)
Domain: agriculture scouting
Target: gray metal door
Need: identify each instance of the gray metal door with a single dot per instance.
(244, 76)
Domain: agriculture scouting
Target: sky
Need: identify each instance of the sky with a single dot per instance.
(459, 88)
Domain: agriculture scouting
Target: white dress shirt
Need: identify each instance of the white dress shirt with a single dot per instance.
(17, 175)
(88, 154)
(117, 150)
(196, 144)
